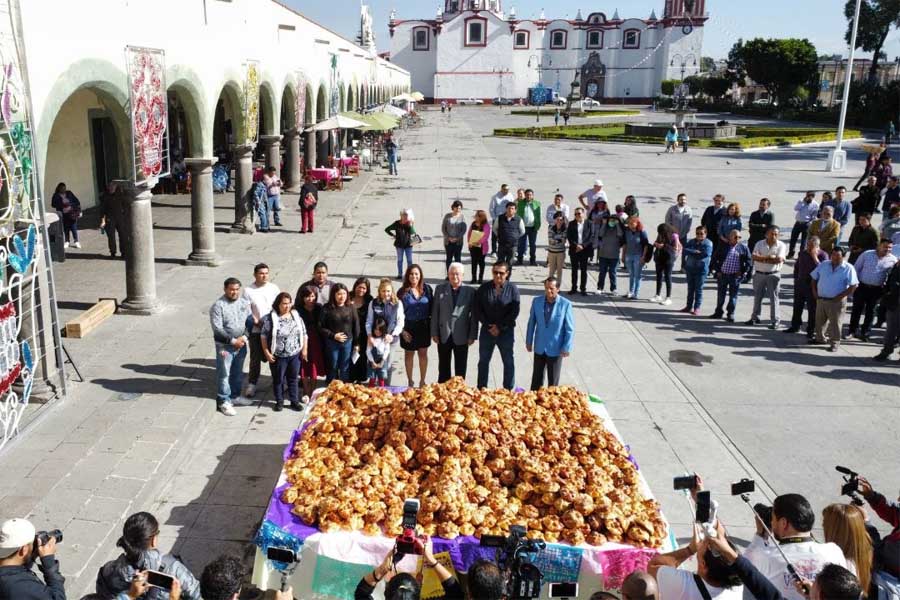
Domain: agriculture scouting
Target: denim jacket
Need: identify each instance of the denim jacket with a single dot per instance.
(697, 255)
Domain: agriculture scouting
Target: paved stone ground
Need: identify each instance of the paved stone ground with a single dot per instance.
(141, 433)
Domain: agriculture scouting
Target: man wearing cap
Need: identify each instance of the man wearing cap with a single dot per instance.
(588, 198)
(17, 549)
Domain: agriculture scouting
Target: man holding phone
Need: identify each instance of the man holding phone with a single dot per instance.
(19, 549)
(222, 579)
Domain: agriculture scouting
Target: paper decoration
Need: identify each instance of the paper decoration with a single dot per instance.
(149, 111)
(619, 564)
(251, 104)
(300, 107)
(431, 583)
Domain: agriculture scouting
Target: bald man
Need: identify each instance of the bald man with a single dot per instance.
(640, 586)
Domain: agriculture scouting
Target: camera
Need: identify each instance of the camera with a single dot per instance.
(41, 538)
(744, 486)
(524, 578)
(851, 485)
(687, 482)
(409, 542)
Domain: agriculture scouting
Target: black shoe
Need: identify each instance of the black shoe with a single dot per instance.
(716, 315)
(584, 292)
(863, 337)
(298, 406)
(881, 356)
(730, 318)
(849, 334)
(814, 342)
(773, 326)
(279, 406)
(278, 225)
(752, 322)
(790, 256)
(532, 263)
(832, 348)
(791, 329)
(572, 292)
(519, 262)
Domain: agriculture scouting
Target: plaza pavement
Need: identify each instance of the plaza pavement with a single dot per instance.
(142, 434)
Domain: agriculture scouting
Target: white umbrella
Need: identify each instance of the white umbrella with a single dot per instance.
(404, 98)
(392, 110)
(337, 122)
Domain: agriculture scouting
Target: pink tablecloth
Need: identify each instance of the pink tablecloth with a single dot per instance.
(323, 174)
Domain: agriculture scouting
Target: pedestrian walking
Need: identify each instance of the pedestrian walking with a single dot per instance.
(314, 366)
(228, 316)
(566, 116)
(556, 245)
(697, 256)
(630, 207)
(871, 163)
(666, 249)
(260, 206)
(477, 240)
(309, 200)
(393, 154)
(340, 327)
(68, 206)
(805, 211)
(404, 233)
(496, 309)
(273, 193)
(496, 207)
(832, 282)
(580, 235)
(113, 221)
(417, 297)
(550, 334)
(638, 252)
(509, 228)
(869, 198)
(529, 210)
(284, 345)
(453, 324)
(732, 267)
(261, 294)
(768, 259)
(453, 229)
(806, 263)
(684, 138)
(360, 298)
(556, 118)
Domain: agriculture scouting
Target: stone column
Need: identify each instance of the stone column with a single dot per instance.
(272, 148)
(243, 182)
(203, 218)
(293, 174)
(311, 149)
(140, 261)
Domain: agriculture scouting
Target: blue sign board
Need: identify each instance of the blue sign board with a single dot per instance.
(541, 95)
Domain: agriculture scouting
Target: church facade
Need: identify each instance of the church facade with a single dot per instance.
(472, 49)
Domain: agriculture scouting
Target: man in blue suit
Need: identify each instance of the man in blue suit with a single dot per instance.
(550, 333)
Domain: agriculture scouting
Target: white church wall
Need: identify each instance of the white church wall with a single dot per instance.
(421, 64)
(473, 71)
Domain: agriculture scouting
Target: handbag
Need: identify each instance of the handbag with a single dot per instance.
(415, 239)
(309, 201)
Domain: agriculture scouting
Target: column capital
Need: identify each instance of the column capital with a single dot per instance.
(244, 150)
(269, 140)
(292, 133)
(198, 164)
(136, 190)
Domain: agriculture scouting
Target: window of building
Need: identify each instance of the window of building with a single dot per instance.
(421, 38)
(631, 38)
(522, 40)
(595, 39)
(558, 39)
(476, 31)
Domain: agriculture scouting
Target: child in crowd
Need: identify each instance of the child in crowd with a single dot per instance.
(378, 351)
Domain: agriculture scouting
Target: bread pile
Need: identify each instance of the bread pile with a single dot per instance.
(479, 461)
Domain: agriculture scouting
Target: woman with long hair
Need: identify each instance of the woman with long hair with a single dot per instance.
(480, 246)
(360, 297)
(453, 228)
(314, 366)
(665, 252)
(730, 221)
(340, 327)
(387, 306)
(140, 553)
(284, 344)
(403, 230)
(845, 525)
(69, 208)
(637, 254)
(416, 296)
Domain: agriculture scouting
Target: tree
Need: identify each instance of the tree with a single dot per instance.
(736, 71)
(695, 84)
(707, 64)
(716, 87)
(780, 65)
(876, 19)
(667, 87)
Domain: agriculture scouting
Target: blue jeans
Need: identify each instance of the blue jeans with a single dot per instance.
(529, 239)
(607, 265)
(392, 162)
(71, 227)
(695, 281)
(275, 207)
(401, 252)
(728, 284)
(634, 266)
(339, 354)
(379, 373)
(504, 342)
(262, 212)
(286, 371)
(229, 372)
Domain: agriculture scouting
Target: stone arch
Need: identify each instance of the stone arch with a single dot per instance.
(268, 109)
(288, 119)
(342, 97)
(190, 99)
(88, 91)
(228, 119)
(351, 98)
(321, 103)
(310, 105)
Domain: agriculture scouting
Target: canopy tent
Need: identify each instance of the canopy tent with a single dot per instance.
(390, 109)
(337, 122)
(404, 98)
(418, 96)
(380, 122)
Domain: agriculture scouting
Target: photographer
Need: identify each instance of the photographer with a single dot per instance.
(714, 578)
(223, 577)
(792, 522)
(887, 553)
(832, 583)
(18, 546)
(403, 586)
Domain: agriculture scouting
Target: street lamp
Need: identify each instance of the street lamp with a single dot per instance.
(684, 61)
(837, 158)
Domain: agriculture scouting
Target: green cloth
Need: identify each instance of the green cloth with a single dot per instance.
(535, 207)
(336, 578)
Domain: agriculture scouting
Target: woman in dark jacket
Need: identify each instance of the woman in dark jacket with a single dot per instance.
(360, 297)
(403, 231)
(69, 208)
(314, 365)
(340, 328)
(665, 253)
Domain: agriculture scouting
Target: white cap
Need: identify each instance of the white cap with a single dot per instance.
(14, 534)
(598, 182)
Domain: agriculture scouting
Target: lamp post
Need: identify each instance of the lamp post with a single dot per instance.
(683, 60)
(837, 158)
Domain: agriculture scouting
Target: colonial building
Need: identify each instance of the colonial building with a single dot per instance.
(472, 49)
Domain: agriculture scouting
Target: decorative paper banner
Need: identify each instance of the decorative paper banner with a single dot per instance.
(300, 108)
(146, 68)
(251, 103)
(335, 92)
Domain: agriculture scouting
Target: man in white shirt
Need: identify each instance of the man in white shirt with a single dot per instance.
(718, 579)
(588, 197)
(261, 294)
(557, 206)
(768, 258)
(496, 208)
(792, 521)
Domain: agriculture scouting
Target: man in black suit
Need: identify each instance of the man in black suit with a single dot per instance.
(580, 235)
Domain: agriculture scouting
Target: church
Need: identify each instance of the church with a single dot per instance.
(473, 49)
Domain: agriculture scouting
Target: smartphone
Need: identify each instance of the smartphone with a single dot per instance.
(687, 482)
(282, 555)
(704, 507)
(563, 590)
(744, 486)
(160, 580)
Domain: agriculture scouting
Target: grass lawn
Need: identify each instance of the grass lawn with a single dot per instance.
(748, 137)
(589, 114)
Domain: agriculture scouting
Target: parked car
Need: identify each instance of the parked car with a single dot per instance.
(503, 101)
(469, 101)
(560, 101)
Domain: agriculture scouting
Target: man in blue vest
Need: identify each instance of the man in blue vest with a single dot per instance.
(550, 333)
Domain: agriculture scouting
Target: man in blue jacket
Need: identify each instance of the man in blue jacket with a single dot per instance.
(19, 549)
(550, 333)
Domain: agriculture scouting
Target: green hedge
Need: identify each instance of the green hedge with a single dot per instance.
(587, 114)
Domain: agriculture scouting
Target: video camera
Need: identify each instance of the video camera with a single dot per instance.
(851, 485)
(409, 542)
(524, 578)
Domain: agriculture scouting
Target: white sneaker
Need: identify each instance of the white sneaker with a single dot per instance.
(227, 409)
(655, 299)
(666, 302)
(77, 244)
(251, 390)
(242, 401)
(66, 245)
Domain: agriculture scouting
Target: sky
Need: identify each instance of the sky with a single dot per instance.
(820, 21)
